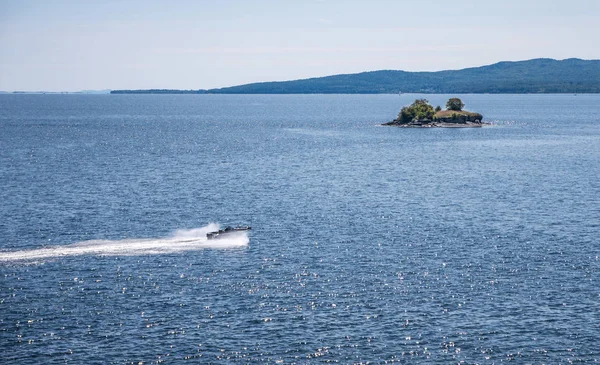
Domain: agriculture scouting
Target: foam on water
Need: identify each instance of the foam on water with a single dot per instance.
(179, 241)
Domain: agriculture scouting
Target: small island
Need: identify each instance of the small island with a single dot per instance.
(421, 114)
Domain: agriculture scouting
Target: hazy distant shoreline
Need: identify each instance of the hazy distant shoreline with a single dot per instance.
(87, 92)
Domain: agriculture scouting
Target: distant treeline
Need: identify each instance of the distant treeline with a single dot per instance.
(540, 75)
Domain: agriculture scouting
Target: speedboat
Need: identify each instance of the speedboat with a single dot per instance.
(221, 233)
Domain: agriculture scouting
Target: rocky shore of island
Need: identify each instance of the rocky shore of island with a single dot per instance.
(421, 114)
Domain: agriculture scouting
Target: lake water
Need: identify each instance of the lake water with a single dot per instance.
(368, 243)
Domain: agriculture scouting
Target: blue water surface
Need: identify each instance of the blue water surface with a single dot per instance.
(369, 243)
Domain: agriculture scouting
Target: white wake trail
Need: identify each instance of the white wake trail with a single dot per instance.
(180, 241)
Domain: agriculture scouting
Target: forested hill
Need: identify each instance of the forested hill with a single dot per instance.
(534, 76)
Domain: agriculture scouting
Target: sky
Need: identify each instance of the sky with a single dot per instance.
(71, 45)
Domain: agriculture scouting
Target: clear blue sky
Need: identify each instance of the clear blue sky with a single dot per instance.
(68, 45)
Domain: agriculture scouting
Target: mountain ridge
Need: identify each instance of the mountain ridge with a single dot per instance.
(539, 75)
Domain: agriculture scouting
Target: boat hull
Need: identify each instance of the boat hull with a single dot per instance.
(228, 231)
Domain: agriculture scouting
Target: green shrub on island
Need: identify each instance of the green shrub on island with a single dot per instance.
(419, 110)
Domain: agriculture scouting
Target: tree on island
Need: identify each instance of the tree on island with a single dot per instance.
(455, 104)
(419, 110)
